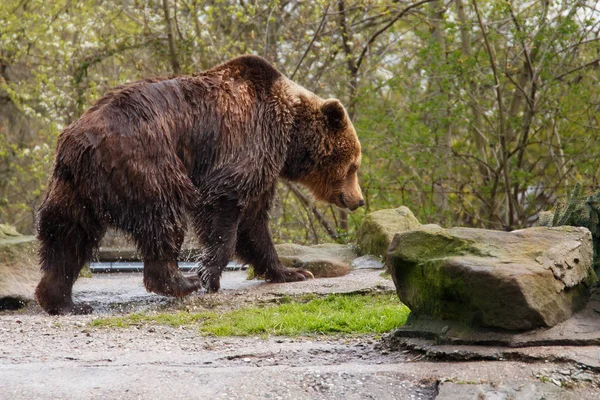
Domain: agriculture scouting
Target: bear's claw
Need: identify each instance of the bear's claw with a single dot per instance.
(306, 273)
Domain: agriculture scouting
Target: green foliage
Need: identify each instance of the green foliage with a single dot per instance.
(24, 180)
(334, 314)
(579, 210)
(462, 128)
(573, 211)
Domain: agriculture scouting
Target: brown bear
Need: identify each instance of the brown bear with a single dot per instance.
(209, 146)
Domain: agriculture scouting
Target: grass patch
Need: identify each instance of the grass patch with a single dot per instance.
(334, 314)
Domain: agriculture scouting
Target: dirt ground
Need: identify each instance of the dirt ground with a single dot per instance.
(43, 357)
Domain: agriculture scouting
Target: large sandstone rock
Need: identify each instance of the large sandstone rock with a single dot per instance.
(379, 227)
(513, 280)
(324, 260)
(19, 269)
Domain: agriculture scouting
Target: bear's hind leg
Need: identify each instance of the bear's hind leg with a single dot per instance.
(68, 237)
(160, 246)
(164, 277)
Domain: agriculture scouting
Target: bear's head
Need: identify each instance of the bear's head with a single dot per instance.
(324, 153)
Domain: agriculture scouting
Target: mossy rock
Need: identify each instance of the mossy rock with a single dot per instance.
(379, 227)
(19, 270)
(518, 280)
(85, 272)
(7, 231)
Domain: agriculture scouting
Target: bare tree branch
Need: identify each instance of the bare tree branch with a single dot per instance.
(591, 63)
(312, 41)
(311, 205)
(385, 28)
(504, 155)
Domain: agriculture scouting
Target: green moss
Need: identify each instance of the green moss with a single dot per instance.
(423, 245)
(250, 274)
(375, 243)
(432, 291)
(386, 275)
(372, 239)
(423, 283)
(85, 272)
(350, 314)
(379, 227)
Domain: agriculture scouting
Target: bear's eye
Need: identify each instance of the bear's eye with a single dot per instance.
(353, 168)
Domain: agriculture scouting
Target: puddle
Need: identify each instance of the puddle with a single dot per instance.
(124, 291)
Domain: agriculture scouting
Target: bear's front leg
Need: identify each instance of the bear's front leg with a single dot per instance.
(255, 246)
(216, 226)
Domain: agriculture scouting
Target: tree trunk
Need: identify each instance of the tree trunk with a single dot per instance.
(475, 128)
(438, 118)
(171, 38)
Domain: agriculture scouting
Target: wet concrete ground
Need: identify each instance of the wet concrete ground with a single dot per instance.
(43, 357)
(124, 292)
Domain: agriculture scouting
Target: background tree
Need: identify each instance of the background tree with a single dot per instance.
(470, 112)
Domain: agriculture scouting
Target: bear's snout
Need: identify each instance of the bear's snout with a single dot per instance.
(349, 201)
(350, 195)
(353, 206)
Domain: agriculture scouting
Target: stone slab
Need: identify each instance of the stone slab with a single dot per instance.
(508, 390)
(583, 329)
(521, 280)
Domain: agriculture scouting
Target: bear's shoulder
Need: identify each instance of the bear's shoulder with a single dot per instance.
(250, 68)
(249, 62)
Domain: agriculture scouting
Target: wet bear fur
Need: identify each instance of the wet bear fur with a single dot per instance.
(210, 147)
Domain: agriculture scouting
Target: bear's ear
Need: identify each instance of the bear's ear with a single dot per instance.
(334, 114)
